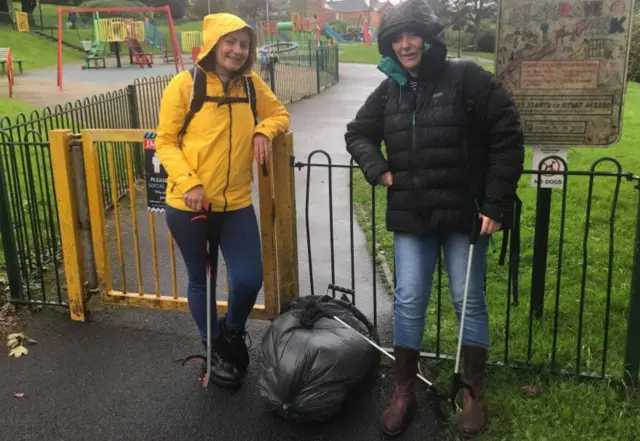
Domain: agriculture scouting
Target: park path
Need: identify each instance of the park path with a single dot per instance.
(118, 376)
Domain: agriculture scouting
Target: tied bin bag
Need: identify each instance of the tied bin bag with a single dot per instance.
(310, 361)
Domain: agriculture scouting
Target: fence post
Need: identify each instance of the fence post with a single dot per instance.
(286, 219)
(337, 49)
(80, 179)
(69, 222)
(272, 74)
(632, 354)
(318, 68)
(134, 111)
(9, 240)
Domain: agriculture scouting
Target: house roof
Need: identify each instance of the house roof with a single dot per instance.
(347, 5)
(381, 5)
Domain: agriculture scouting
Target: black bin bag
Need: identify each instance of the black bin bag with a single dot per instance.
(310, 361)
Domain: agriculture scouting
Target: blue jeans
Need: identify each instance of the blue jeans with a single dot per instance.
(416, 258)
(237, 235)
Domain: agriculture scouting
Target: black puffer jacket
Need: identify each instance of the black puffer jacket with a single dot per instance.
(454, 146)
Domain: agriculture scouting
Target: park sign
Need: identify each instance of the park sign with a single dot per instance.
(565, 64)
(155, 175)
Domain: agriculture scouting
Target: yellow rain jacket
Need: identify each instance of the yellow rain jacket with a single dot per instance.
(217, 149)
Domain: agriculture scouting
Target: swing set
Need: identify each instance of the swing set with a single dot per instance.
(119, 30)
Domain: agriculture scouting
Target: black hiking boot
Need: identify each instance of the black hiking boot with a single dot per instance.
(235, 346)
(223, 371)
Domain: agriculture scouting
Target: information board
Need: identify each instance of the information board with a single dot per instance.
(156, 175)
(565, 64)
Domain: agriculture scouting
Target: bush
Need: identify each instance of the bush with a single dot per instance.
(339, 26)
(634, 53)
(487, 42)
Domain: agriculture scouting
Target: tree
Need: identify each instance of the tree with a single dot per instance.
(28, 6)
(4, 11)
(200, 8)
(476, 11)
(251, 8)
(442, 9)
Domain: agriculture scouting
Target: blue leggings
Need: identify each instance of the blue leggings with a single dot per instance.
(237, 235)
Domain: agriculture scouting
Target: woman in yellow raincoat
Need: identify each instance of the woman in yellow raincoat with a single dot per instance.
(209, 167)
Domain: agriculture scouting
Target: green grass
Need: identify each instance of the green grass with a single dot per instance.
(565, 408)
(37, 52)
(360, 53)
(9, 107)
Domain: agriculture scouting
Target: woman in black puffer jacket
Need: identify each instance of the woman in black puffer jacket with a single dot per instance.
(454, 150)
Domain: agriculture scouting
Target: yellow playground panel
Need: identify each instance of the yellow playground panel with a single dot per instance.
(22, 21)
(151, 256)
(190, 40)
(118, 29)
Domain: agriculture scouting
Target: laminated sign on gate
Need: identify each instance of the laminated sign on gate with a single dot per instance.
(156, 175)
(565, 64)
(548, 159)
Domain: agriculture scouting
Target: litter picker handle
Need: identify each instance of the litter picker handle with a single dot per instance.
(341, 289)
(476, 227)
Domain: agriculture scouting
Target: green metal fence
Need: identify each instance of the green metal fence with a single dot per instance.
(30, 251)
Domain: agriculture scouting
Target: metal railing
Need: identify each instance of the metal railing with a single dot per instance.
(590, 325)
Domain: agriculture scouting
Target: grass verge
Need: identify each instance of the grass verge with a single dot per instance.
(561, 408)
(35, 51)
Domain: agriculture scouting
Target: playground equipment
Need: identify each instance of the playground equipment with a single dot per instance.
(10, 78)
(155, 38)
(120, 30)
(116, 31)
(22, 21)
(299, 31)
(190, 40)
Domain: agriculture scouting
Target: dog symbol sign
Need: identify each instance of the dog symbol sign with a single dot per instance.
(549, 160)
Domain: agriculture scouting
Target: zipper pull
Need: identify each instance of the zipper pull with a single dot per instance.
(414, 119)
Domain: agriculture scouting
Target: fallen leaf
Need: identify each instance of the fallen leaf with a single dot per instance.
(18, 352)
(19, 395)
(529, 391)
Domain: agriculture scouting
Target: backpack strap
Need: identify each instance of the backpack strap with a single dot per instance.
(250, 90)
(198, 97)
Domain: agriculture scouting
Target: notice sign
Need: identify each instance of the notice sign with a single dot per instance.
(565, 64)
(547, 159)
(559, 75)
(156, 176)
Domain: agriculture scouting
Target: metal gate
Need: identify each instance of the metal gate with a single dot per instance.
(114, 246)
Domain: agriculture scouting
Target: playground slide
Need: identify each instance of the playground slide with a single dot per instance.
(329, 32)
(284, 36)
(141, 57)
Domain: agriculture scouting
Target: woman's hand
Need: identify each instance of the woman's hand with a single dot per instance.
(262, 149)
(489, 226)
(194, 198)
(386, 179)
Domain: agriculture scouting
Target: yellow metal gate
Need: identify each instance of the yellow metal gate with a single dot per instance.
(120, 200)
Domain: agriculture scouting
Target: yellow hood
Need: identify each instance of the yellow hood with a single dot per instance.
(215, 26)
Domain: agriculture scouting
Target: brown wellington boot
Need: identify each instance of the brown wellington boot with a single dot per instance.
(400, 411)
(473, 416)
